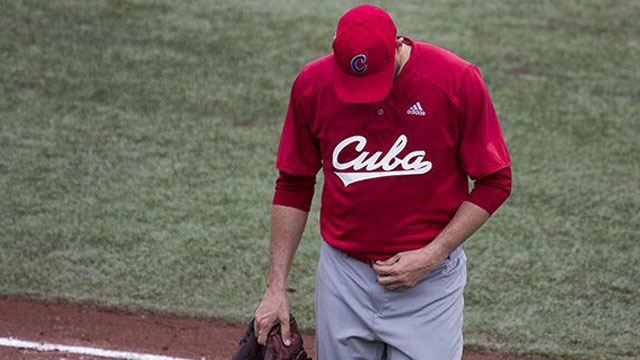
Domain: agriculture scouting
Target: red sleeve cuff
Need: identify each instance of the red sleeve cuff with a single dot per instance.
(490, 191)
(294, 191)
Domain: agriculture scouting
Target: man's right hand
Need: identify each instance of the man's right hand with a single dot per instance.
(273, 308)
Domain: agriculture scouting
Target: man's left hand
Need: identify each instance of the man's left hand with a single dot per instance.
(405, 269)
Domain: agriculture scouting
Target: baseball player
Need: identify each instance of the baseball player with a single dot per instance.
(397, 126)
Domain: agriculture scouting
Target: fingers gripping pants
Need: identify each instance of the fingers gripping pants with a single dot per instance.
(357, 318)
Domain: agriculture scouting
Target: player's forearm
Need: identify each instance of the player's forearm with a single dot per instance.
(287, 225)
(467, 220)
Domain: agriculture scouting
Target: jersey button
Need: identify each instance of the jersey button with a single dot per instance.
(380, 111)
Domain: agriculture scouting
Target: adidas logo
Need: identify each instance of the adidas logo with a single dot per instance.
(416, 109)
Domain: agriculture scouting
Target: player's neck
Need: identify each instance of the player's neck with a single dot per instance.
(405, 53)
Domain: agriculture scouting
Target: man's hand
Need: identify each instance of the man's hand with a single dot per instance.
(405, 269)
(273, 308)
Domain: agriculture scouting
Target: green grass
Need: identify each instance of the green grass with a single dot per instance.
(138, 138)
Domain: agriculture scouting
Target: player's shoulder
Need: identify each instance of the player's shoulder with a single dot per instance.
(436, 56)
(439, 66)
(316, 74)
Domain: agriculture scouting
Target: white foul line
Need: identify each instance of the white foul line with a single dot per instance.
(83, 350)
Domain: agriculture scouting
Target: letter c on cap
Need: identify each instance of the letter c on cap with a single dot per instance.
(358, 63)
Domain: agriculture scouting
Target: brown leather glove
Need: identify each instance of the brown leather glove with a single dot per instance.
(276, 350)
(249, 349)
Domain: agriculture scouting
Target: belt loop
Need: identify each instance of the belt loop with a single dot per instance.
(456, 252)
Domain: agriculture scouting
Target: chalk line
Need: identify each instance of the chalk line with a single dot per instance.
(83, 350)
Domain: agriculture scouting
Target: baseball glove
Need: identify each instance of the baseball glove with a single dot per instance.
(249, 349)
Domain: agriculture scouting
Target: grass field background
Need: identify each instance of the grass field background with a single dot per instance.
(138, 138)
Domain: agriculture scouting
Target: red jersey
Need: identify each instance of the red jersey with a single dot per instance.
(396, 170)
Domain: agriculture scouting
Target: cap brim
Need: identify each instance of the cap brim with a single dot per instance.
(363, 89)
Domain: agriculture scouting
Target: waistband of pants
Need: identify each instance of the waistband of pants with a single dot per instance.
(454, 254)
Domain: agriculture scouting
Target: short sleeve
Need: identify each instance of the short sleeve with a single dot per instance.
(490, 191)
(298, 153)
(482, 149)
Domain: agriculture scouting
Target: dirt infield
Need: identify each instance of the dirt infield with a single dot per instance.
(140, 333)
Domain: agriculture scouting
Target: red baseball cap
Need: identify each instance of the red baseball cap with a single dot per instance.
(364, 55)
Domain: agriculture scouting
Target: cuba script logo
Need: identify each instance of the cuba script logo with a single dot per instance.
(358, 63)
(378, 165)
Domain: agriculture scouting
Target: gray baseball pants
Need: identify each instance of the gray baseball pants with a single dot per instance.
(357, 318)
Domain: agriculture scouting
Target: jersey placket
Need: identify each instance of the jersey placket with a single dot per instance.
(380, 115)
